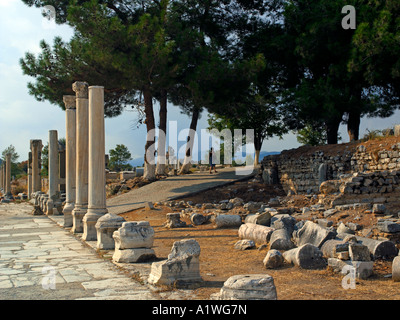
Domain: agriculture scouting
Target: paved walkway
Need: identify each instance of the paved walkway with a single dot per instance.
(41, 260)
(173, 187)
(35, 253)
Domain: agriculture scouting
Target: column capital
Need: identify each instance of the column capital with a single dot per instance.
(70, 102)
(36, 143)
(81, 89)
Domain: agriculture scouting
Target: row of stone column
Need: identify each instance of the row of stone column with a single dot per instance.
(85, 176)
(85, 160)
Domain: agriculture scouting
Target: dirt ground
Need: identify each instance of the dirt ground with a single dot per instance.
(219, 260)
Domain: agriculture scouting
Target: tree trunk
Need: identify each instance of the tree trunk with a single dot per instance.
(149, 161)
(190, 142)
(332, 128)
(258, 140)
(257, 157)
(353, 125)
(161, 160)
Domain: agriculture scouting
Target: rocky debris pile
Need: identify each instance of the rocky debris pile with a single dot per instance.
(371, 182)
(314, 236)
(125, 185)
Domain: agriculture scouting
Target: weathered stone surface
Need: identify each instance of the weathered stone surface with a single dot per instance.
(249, 287)
(306, 256)
(198, 219)
(324, 223)
(380, 249)
(363, 269)
(228, 221)
(252, 206)
(332, 248)
(312, 233)
(181, 267)
(133, 255)
(359, 252)
(329, 212)
(342, 228)
(134, 234)
(283, 221)
(322, 173)
(174, 220)
(185, 248)
(259, 218)
(329, 187)
(378, 208)
(396, 269)
(258, 233)
(281, 240)
(105, 227)
(244, 244)
(273, 259)
(388, 226)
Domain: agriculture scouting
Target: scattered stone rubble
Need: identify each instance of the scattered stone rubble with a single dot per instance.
(296, 236)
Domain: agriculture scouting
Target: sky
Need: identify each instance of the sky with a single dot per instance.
(23, 118)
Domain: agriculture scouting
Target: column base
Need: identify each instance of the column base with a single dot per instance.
(89, 223)
(49, 206)
(77, 217)
(37, 211)
(67, 211)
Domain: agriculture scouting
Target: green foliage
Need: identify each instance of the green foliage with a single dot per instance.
(15, 166)
(119, 158)
(271, 66)
(10, 150)
(311, 136)
(373, 135)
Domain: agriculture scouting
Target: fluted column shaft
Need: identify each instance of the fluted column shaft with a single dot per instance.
(70, 159)
(81, 198)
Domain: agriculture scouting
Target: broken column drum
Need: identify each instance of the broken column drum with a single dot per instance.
(97, 166)
(70, 177)
(81, 198)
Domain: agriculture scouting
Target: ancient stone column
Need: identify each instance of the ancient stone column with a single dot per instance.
(36, 147)
(81, 198)
(70, 159)
(29, 182)
(1, 177)
(97, 169)
(61, 168)
(7, 190)
(4, 175)
(53, 172)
